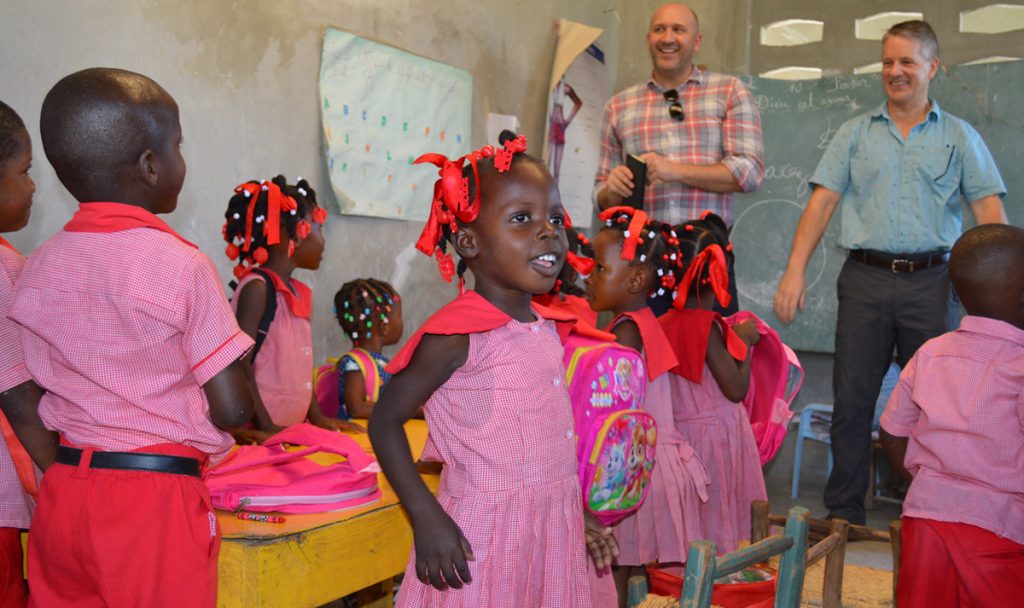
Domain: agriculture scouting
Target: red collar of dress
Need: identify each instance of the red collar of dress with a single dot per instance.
(470, 313)
(658, 352)
(300, 302)
(115, 217)
(4, 243)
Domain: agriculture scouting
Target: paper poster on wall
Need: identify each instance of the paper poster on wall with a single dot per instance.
(578, 92)
(381, 108)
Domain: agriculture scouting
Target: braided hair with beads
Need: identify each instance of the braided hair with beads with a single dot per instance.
(647, 241)
(707, 256)
(363, 308)
(457, 195)
(257, 213)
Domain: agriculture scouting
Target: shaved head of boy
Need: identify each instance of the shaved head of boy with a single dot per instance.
(114, 135)
(987, 270)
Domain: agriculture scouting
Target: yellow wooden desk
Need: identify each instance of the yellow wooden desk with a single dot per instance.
(317, 558)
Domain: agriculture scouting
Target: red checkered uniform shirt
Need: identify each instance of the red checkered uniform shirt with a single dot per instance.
(721, 125)
(122, 327)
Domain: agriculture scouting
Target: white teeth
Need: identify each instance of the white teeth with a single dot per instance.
(547, 257)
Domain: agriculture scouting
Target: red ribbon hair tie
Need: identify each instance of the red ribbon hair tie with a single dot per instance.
(580, 264)
(637, 221)
(713, 258)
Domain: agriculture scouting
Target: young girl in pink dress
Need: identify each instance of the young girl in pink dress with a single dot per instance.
(507, 526)
(636, 257)
(272, 228)
(712, 378)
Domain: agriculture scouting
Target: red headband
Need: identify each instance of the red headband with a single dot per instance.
(631, 238)
(451, 204)
(713, 257)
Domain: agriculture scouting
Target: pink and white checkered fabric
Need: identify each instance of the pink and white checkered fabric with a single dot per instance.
(502, 424)
(15, 505)
(960, 400)
(721, 125)
(122, 329)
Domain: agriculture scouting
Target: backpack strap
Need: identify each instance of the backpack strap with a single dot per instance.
(269, 310)
(371, 375)
(19, 456)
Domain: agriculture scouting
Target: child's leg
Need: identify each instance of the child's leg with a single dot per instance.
(12, 584)
(119, 539)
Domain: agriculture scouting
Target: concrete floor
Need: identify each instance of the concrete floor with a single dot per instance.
(778, 480)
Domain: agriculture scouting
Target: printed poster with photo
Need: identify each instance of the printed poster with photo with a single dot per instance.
(381, 108)
(577, 95)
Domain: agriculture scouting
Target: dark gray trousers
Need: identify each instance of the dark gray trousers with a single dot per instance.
(880, 313)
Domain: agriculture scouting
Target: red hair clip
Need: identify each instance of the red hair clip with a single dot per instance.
(713, 258)
(319, 215)
(637, 221)
(503, 158)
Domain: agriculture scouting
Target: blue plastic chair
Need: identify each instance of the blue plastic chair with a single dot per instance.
(824, 411)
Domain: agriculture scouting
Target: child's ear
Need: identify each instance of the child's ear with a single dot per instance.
(147, 168)
(639, 279)
(466, 243)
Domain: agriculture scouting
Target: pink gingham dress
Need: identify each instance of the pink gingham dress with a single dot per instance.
(502, 424)
(15, 504)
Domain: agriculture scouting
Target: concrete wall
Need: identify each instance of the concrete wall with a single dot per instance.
(245, 77)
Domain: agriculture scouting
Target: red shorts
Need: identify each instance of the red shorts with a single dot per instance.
(114, 538)
(12, 583)
(953, 564)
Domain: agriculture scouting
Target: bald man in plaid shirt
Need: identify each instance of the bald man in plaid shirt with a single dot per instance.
(699, 132)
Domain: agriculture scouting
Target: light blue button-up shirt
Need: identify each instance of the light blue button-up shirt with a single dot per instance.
(903, 196)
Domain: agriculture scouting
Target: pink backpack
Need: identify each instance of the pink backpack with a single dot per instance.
(326, 380)
(270, 478)
(775, 379)
(615, 438)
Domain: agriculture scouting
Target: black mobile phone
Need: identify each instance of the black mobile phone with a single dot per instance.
(639, 170)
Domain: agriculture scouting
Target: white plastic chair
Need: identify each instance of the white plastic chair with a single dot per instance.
(808, 431)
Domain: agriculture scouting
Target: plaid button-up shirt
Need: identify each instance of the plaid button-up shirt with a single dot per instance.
(721, 125)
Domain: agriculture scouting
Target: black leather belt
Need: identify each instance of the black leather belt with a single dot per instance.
(131, 461)
(900, 262)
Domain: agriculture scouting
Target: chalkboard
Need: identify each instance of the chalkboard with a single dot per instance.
(799, 119)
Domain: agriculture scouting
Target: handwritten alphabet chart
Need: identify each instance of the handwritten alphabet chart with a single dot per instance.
(380, 109)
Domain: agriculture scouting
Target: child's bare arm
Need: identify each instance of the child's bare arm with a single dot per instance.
(441, 549)
(252, 301)
(628, 334)
(230, 396)
(21, 406)
(317, 418)
(356, 403)
(896, 450)
(732, 376)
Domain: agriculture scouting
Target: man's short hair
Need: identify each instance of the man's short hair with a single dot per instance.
(918, 31)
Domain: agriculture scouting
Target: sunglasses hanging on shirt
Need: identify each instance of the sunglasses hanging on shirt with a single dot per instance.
(675, 110)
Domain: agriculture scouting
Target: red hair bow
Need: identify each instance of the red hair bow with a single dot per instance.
(631, 238)
(713, 258)
(582, 265)
(450, 206)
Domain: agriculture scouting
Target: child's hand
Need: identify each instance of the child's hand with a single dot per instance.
(249, 436)
(601, 542)
(333, 424)
(747, 331)
(442, 553)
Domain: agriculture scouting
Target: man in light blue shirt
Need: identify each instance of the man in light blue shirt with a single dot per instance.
(900, 172)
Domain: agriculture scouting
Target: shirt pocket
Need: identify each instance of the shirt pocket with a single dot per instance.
(939, 169)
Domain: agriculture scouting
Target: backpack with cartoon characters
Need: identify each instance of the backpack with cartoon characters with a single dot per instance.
(614, 437)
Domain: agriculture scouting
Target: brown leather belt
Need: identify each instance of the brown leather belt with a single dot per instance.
(900, 262)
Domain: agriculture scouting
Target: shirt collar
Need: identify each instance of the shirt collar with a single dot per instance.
(992, 327)
(116, 217)
(696, 77)
(882, 111)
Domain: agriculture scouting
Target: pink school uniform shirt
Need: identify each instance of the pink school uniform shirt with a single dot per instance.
(961, 404)
(123, 322)
(15, 505)
(284, 364)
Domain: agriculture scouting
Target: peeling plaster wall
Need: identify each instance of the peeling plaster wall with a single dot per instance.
(245, 77)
